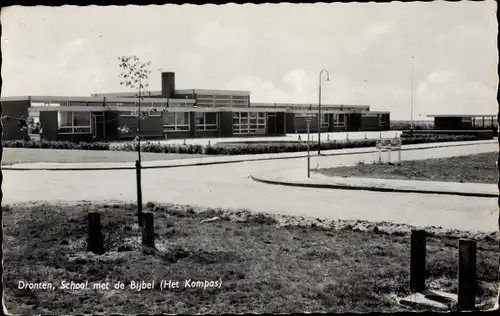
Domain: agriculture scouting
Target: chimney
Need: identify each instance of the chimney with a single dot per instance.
(167, 84)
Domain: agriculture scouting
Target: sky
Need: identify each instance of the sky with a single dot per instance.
(275, 51)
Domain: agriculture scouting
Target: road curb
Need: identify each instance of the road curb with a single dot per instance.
(369, 188)
(368, 151)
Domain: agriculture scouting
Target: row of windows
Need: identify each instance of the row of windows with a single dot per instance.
(177, 121)
(339, 120)
(249, 123)
(220, 97)
(73, 122)
(243, 122)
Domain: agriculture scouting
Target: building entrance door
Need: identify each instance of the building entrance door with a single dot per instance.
(271, 124)
(98, 132)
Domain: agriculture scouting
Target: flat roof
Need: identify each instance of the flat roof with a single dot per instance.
(211, 91)
(313, 105)
(93, 99)
(181, 91)
(462, 115)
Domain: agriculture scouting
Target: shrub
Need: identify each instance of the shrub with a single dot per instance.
(56, 144)
(243, 149)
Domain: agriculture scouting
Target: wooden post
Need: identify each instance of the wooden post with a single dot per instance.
(95, 238)
(139, 191)
(148, 230)
(466, 274)
(417, 260)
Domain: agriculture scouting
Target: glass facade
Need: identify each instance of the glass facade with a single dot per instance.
(176, 121)
(218, 100)
(324, 120)
(339, 120)
(206, 121)
(73, 122)
(249, 123)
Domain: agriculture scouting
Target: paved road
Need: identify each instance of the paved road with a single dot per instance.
(229, 186)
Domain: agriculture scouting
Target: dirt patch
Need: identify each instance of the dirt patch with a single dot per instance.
(478, 168)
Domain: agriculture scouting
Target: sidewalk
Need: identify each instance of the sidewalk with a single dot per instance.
(211, 160)
(296, 177)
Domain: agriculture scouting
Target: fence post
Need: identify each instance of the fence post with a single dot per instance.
(388, 154)
(417, 260)
(148, 230)
(466, 274)
(95, 238)
(209, 142)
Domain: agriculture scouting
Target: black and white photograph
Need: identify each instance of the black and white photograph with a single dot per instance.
(250, 158)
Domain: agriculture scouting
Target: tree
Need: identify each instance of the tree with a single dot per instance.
(134, 74)
(25, 124)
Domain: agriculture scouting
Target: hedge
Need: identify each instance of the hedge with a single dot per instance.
(482, 134)
(56, 144)
(298, 147)
(221, 149)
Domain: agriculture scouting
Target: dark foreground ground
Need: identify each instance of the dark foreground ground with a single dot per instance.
(478, 168)
(264, 267)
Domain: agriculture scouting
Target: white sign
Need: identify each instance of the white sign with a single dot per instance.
(34, 136)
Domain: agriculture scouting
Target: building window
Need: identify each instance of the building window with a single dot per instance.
(249, 123)
(74, 122)
(206, 121)
(77, 103)
(176, 121)
(127, 114)
(339, 120)
(324, 120)
(382, 119)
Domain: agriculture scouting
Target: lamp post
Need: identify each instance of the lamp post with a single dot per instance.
(412, 87)
(319, 107)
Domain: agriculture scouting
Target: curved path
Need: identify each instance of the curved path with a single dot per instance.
(229, 185)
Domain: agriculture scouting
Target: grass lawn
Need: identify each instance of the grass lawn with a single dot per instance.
(31, 155)
(264, 267)
(478, 168)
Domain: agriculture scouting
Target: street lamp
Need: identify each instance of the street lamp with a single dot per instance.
(319, 107)
(412, 87)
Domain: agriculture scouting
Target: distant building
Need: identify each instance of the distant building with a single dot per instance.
(185, 114)
(464, 121)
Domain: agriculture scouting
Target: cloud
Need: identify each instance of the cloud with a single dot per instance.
(264, 49)
(443, 77)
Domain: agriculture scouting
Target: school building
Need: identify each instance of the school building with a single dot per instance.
(186, 113)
